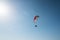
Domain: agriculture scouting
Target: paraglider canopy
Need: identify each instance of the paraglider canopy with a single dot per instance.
(35, 18)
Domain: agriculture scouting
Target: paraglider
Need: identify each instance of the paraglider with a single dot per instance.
(35, 20)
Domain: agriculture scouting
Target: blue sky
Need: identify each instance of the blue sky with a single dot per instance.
(20, 25)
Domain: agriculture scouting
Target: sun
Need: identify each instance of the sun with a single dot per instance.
(7, 12)
(4, 9)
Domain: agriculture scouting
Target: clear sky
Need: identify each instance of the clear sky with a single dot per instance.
(16, 20)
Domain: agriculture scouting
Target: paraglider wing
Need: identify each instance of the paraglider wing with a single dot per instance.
(35, 18)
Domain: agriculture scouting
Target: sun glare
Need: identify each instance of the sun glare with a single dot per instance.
(4, 9)
(7, 11)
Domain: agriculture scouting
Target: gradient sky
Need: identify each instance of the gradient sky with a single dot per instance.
(20, 25)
